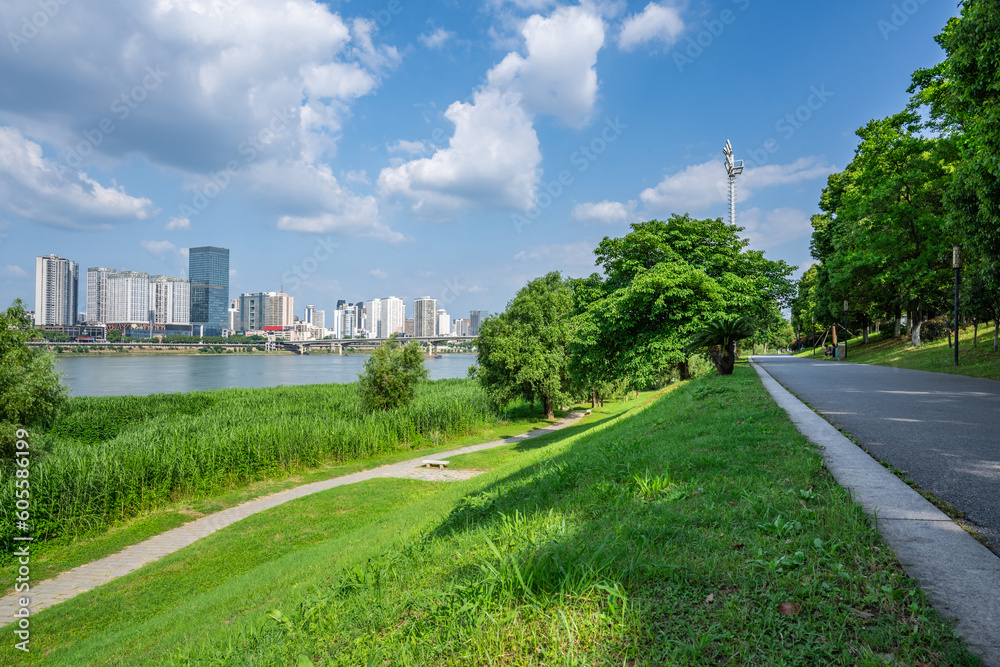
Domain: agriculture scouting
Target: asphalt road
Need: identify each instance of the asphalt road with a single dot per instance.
(942, 431)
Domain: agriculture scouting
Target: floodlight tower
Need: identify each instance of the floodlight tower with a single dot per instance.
(734, 168)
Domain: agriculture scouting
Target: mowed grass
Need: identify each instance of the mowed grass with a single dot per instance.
(979, 361)
(702, 529)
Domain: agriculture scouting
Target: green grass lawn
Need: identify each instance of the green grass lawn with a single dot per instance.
(54, 557)
(979, 361)
(701, 529)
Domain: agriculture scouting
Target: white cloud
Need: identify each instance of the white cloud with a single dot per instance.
(159, 249)
(11, 271)
(411, 147)
(557, 77)
(768, 229)
(606, 212)
(437, 38)
(493, 158)
(177, 224)
(39, 189)
(378, 273)
(656, 23)
(320, 203)
(702, 186)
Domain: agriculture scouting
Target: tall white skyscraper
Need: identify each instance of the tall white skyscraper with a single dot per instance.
(56, 285)
(128, 298)
(170, 299)
(319, 320)
(443, 323)
(393, 316)
(266, 309)
(374, 318)
(98, 296)
(425, 317)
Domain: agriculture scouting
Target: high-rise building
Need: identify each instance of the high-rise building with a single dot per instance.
(425, 317)
(476, 318)
(310, 311)
(319, 321)
(373, 319)
(98, 298)
(56, 286)
(128, 298)
(348, 321)
(393, 317)
(443, 323)
(235, 323)
(170, 299)
(408, 327)
(208, 271)
(341, 303)
(461, 328)
(266, 309)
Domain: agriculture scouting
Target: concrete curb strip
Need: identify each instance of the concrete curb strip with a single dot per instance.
(86, 577)
(960, 576)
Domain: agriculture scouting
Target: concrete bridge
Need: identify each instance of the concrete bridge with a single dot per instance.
(339, 344)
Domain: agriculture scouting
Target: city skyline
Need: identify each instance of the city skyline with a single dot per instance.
(455, 151)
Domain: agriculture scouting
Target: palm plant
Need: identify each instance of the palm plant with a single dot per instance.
(719, 338)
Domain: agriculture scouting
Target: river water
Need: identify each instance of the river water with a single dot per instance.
(139, 376)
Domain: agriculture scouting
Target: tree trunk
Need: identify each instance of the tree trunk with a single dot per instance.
(897, 326)
(550, 412)
(915, 334)
(864, 332)
(996, 334)
(726, 362)
(685, 370)
(975, 333)
(593, 399)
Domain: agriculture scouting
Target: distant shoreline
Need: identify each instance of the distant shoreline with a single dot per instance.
(149, 351)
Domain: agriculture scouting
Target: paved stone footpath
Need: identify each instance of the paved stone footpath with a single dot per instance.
(86, 577)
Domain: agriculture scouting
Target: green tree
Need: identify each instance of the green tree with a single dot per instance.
(31, 391)
(718, 339)
(115, 336)
(391, 375)
(666, 278)
(523, 352)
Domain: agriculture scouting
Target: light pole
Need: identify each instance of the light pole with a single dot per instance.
(956, 263)
(734, 168)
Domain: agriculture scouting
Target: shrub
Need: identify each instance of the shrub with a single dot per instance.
(391, 375)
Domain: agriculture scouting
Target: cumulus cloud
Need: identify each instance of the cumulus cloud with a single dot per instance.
(768, 229)
(557, 77)
(656, 23)
(437, 38)
(39, 189)
(606, 212)
(702, 186)
(178, 223)
(493, 158)
(320, 203)
(159, 249)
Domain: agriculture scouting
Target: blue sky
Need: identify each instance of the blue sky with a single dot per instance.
(363, 149)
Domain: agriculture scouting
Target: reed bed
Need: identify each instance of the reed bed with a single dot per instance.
(111, 458)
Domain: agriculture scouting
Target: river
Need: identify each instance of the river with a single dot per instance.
(139, 376)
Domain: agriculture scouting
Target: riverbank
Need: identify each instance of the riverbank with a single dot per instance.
(151, 350)
(700, 529)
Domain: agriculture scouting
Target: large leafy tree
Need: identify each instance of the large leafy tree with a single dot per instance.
(666, 278)
(31, 391)
(523, 352)
(882, 240)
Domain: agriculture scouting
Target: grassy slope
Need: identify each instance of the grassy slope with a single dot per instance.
(677, 535)
(936, 356)
(61, 555)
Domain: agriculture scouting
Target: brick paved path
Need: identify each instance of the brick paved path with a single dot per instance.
(84, 578)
